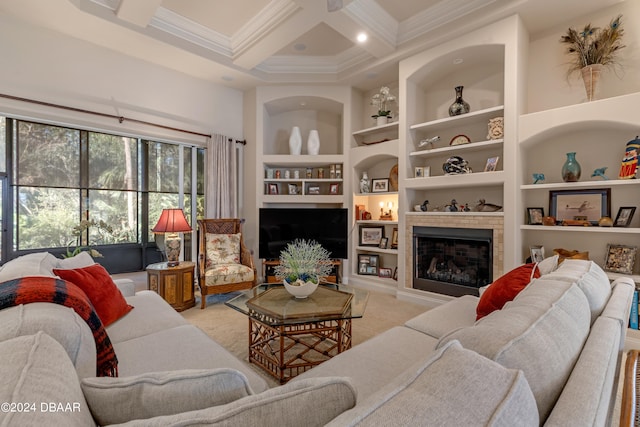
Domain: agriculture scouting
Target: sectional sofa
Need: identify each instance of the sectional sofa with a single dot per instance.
(550, 356)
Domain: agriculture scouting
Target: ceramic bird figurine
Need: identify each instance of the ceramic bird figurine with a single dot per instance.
(538, 177)
(429, 141)
(453, 207)
(600, 172)
(483, 206)
(423, 206)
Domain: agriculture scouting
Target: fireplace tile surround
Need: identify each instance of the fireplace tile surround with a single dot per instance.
(491, 221)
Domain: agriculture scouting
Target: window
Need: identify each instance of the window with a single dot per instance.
(62, 175)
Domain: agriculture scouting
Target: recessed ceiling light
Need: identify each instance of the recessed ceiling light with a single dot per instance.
(299, 47)
(458, 61)
(362, 37)
(303, 104)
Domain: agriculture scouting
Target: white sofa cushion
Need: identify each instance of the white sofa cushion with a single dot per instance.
(454, 314)
(59, 322)
(309, 403)
(540, 332)
(81, 260)
(591, 280)
(36, 370)
(35, 264)
(453, 387)
(118, 400)
(165, 350)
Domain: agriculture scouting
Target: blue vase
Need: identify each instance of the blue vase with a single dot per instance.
(571, 169)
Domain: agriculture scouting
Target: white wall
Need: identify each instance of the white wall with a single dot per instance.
(548, 86)
(44, 65)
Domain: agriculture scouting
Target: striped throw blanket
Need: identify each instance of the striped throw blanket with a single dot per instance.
(50, 289)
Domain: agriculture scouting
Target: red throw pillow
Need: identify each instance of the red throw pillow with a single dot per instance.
(505, 289)
(104, 295)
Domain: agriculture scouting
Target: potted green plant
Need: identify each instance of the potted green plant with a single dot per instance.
(592, 49)
(382, 100)
(303, 265)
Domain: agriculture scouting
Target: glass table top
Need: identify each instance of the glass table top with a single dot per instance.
(272, 304)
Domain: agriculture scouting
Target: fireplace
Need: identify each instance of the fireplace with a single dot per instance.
(452, 261)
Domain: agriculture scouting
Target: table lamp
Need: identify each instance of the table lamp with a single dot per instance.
(172, 222)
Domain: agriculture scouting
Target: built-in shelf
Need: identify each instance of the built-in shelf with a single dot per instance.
(579, 229)
(376, 222)
(376, 129)
(467, 148)
(377, 250)
(433, 213)
(302, 160)
(299, 198)
(476, 179)
(447, 122)
(580, 184)
(376, 194)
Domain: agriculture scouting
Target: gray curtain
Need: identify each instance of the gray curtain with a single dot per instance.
(222, 185)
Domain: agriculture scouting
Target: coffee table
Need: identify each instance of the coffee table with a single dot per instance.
(288, 336)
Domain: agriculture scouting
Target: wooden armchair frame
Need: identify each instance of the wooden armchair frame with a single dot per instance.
(629, 414)
(222, 226)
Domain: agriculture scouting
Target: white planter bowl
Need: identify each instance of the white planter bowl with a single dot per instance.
(300, 289)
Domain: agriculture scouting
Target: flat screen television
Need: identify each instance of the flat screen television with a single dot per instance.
(279, 226)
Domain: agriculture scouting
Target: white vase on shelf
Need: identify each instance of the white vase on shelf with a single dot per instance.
(313, 143)
(295, 141)
(382, 120)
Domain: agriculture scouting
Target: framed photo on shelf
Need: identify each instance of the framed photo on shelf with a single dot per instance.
(293, 188)
(620, 258)
(395, 273)
(379, 185)
(625, 214)
(492, 164)
(314, 189)
(371, 235)
(385, 272)
(394, 238)
(334, 188)
(589, 205)
(368, 264)
(534, 216)
(537, 253)
(273, 189)
(383, 242)
(419, 172)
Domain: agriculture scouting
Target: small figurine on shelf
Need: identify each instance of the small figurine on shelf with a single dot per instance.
(429, 141)
(538, 178)
(453, 207)
(423, 206)
(600, 172)
(364, 183)
(483, 206)
(629, 166)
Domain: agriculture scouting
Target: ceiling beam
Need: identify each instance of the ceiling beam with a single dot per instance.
(137, 12)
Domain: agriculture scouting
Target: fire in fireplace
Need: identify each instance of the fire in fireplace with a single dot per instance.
(452, 261)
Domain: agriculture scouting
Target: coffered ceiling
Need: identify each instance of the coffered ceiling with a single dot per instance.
(242, 43)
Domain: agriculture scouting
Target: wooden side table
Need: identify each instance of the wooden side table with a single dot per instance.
(174, 284)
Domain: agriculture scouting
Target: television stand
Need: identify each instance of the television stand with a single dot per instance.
(268, 267)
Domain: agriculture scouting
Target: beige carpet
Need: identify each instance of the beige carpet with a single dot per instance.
(230, 328)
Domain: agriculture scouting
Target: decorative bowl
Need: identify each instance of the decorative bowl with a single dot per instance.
(300, 289)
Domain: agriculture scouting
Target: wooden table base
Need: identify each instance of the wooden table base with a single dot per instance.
(289, 350)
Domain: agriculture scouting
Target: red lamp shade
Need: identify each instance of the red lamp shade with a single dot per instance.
(172, 221)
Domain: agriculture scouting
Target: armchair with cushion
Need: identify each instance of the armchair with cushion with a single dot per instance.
(224, 263)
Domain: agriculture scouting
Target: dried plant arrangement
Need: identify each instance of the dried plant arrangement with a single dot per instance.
(594, 45)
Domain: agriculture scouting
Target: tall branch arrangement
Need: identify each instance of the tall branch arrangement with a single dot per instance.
(594, 45)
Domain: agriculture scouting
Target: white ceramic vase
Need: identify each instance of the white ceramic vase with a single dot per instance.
(300, 289)
(295, 141)
(313, 143)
